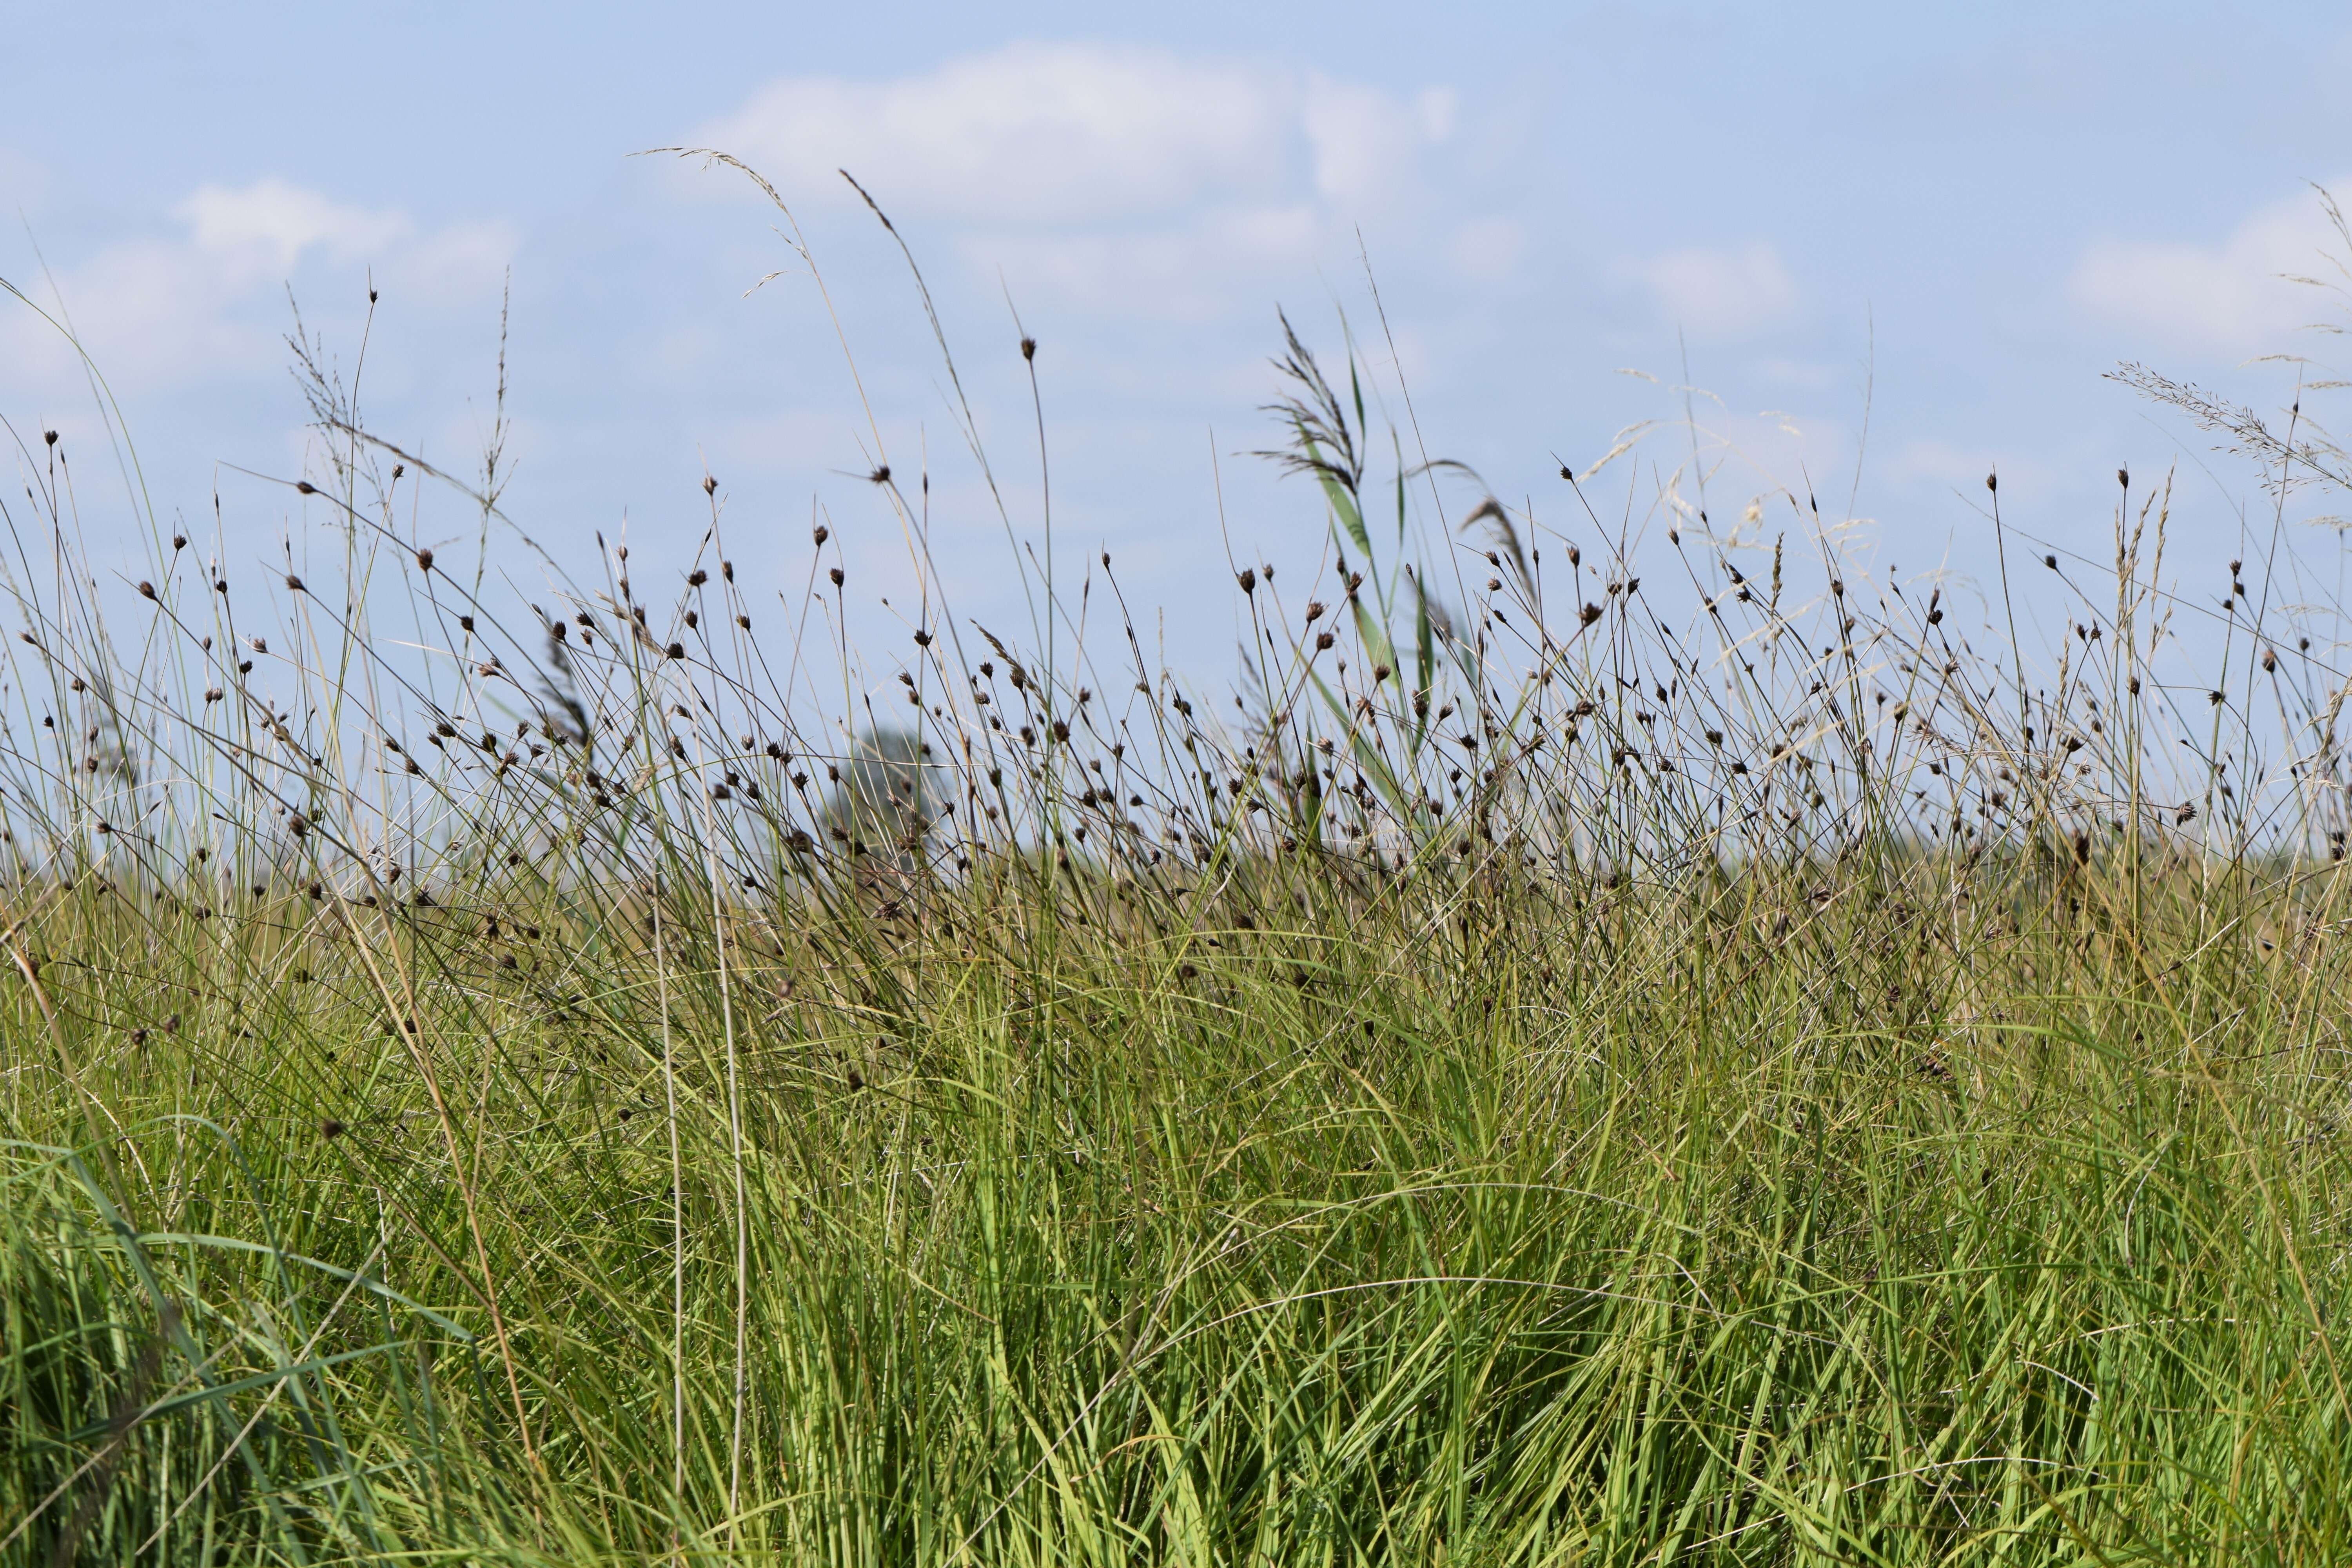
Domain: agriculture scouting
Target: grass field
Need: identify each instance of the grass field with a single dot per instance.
(1525, 1083)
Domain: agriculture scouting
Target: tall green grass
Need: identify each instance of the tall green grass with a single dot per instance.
(1542, 1084)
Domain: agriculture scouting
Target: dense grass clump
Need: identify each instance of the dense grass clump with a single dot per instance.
(1544, 1085)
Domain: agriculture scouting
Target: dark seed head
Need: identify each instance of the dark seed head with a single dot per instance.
(709, 485)
(1028, 352)
(425, 560)
(304, 486)
(332, 1129)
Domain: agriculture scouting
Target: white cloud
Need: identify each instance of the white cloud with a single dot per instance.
(2225, 298)
(463, 261)
(1364, 143)
(1033, 132)
(269, 223)
(1720, 293)
(1123, 181)
(1061, 134)
(161, 311)
(1187, 273)
(1487, 249)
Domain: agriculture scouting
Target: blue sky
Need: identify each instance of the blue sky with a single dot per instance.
(1953, 219)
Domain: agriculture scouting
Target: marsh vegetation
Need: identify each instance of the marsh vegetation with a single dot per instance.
(1545, 1066)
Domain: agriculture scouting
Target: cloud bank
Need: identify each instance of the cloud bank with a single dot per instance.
(1124, 178)
(190, 306)
(2235, 298)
